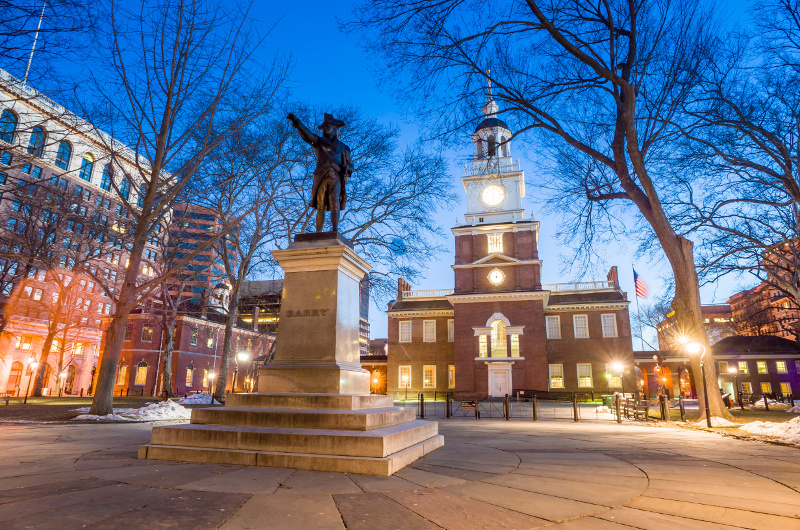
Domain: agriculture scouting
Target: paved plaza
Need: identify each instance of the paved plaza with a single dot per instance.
(490, 474)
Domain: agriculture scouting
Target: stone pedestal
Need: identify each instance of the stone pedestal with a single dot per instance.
(315, 411)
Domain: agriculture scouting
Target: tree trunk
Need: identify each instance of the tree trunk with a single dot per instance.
(233, 310)
(103, 401)
(166, 363)
(38, 383)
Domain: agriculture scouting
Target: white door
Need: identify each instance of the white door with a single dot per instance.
(499, 387)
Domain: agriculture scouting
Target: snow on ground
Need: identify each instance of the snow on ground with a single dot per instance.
(772, 403)
(788, 431)
(196, 399)
(163, 410)
(716, 421)
(603, 409)
(796, 408)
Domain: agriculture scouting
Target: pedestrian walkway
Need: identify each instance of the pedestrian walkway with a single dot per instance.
(501, 474)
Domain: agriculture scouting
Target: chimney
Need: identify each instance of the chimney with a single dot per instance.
(402, 285)
(613, 276)
(256, 314)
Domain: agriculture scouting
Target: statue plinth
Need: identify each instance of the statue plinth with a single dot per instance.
(318, 345)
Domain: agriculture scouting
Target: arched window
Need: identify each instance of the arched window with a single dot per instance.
(141, 374)
(36, 145)
(63, 155)
(492, 146)
(87, 166)
(8, 126)
(504, 147)
(122, 373)
(499, 342)
(189, 376)
(105, 183)
(14, 378)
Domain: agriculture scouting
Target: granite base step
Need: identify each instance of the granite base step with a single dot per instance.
(377, 443)
(304, 418)
(309, 401)
(384, 466)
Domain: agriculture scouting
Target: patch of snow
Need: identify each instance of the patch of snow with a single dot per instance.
(796, 408)
(603, 409)
(716, 421)
(161, 411)
(788, 431)
(196, 399)
(772, 403)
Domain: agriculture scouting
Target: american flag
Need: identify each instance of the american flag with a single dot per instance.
(641, 287)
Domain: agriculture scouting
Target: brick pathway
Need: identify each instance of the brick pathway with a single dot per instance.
(489, 474)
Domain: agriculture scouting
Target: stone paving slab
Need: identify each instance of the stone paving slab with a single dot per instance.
(490, 474)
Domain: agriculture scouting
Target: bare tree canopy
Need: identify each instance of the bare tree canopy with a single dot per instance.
(600, 81)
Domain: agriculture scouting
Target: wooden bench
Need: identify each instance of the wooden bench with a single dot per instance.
(637, 410)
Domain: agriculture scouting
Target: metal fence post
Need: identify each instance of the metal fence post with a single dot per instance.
(766, 405)
(616, 406)
(535, 408)
(421, 405)
(447, 411)
(506, 408)
(683, 409)
(574, 406)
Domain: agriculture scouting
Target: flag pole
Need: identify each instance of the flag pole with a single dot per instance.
(638, 312)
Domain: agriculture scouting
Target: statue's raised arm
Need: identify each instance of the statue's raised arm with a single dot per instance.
(334, 166)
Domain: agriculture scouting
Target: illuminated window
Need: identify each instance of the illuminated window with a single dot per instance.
(210, 340)
(451, 376)
(404, 378)
(554, 327)
(24, 342)
(515, 345)
(195, 333)
(766, 388)
(761, 366)
(585, 375)
(141, 374)
(747, 388)
(129, 332)
(451, 330)
(556, 376)
(780, 367)
(786, 389)
(483, 346)
(499, 342)
(614, 379)
(87, 165)
(743, 367)
(429, 376)
(189, 375)
(405, 331)
(77, 349)
(723, 367)
(495, 243)
(122, 373)
(609, 325)
(581, 325)
(147, 333)
(428, 331)
(205, 377)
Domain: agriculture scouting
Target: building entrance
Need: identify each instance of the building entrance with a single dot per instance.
(499, 379)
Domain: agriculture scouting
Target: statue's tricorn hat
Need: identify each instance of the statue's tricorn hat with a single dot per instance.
(332, 121)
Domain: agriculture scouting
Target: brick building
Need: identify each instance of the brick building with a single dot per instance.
(718, 321)
(500, 330)
(764, 310)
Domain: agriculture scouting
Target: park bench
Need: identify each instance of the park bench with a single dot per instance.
(637, 410)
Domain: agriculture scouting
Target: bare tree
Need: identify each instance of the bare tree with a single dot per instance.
(599, 80)
(181, 80)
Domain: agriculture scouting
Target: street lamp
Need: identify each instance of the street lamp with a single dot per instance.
(695, 348)
(211, 377)
(405, 384)
(735, 372)
(32, 364)
(241, 356)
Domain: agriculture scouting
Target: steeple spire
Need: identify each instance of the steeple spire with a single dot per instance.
(490, 108)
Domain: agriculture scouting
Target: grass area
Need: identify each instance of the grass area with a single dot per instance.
(57, 408)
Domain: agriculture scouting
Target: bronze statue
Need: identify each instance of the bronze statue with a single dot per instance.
(334, 166)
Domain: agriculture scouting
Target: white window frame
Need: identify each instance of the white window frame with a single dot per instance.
(483, 345)
(143, 381)
(778, 367)
(495, 243)
(769, 387)
(451, 376)
(759, 364)
(189, 378)
(404, 369)
(575, 319)
(404, 327)
(788, 386)
(749, 387)
(428, 331)
(451, 330)
(514, 345)
(743, 364)
(553, 332)
(555, 374)
(429, 382)
(614, 379)
(580, 377)
(605, 317)
(723, 367)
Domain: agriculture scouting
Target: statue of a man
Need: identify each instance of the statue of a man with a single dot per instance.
(334, 166)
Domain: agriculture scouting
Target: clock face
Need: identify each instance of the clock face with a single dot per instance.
(492, 195)
(497, 276)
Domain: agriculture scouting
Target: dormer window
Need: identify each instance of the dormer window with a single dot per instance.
(495, 243)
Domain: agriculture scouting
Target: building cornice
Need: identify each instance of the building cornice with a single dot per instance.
(521, 226)
(499, 297)
(516, 262)
(421, 313)
(586, 306)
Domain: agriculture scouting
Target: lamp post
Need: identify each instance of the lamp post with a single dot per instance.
(735, 372)
(211, 376)
(405, 384)
(32, 364)
(694, 348)
(241, 356)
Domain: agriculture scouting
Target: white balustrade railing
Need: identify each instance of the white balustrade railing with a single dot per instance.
(493, 166)
(578, 286)
(430, 293)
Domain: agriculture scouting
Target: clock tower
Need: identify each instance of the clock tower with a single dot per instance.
(498, 301)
